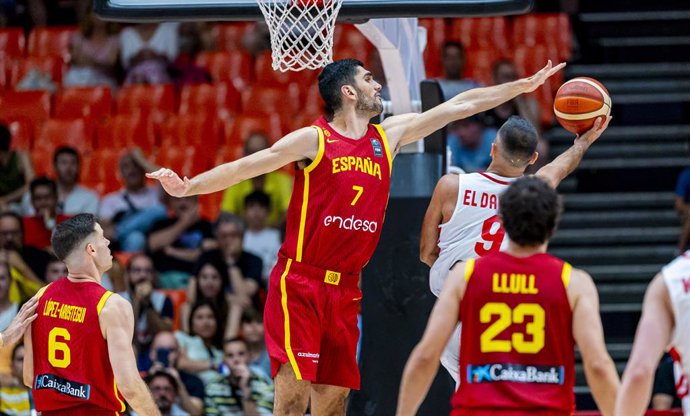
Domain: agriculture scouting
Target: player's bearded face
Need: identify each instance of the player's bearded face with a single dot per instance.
(369, 102)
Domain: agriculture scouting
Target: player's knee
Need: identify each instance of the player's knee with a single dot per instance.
(290, 405)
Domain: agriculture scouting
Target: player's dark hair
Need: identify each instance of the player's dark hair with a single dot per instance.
(332, 78)
(530, 209)
(165, 375)
(43, 181)
(259, 198)
(518, 138)
(5, 138)
(217, 340)
(68, 235)
(66, 150)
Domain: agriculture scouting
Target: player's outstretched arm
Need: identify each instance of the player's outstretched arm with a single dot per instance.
(446, 190)
(423, 363)
(299, 145)
(589, 335)
(652, 337)
(407, 128)
(117, 324)
(566, 162)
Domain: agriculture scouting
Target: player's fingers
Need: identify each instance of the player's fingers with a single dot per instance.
(156, 174)
(29, 307)
(29, 320)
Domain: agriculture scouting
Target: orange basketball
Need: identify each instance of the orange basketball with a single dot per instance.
(579, 102)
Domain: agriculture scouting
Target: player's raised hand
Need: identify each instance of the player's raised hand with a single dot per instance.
(16, 329)
(591, 135)
(171, 182)
(540, 77)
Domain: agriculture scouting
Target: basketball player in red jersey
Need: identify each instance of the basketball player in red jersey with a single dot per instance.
(78, 354)
(334, 222)
(522, 312)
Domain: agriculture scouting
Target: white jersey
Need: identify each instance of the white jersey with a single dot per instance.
(474, 228)
(677, 278)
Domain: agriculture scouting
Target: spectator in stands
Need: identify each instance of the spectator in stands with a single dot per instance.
(244, 268)
(153, 310)
(257, 39)
(56, 13)
(8, 309)
(128, 214)
(191, 41)
(177, 242)
(470, 144)
(55, 270)
(453, 60)
(165, 391)
(39, 227)
(94, 52)
(72, 198)
(146, 51)
(240, 388)
(163, 356)
(199, 350)
(682, 200)
(523, 105)
(211, 284)
(277, 185)
(15, 397)
(259, 239)
(252, 332)
(16, 171)
(29, 262)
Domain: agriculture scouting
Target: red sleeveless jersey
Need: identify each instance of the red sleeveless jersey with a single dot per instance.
(339, 201)
(71, 364)
(517, 347)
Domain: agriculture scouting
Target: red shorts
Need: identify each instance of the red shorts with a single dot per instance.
(311, 323)
(80, 411)
(507, 412)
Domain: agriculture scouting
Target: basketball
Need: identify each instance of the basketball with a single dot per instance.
(579, 102)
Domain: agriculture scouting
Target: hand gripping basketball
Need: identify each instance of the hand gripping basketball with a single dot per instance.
(171, 182)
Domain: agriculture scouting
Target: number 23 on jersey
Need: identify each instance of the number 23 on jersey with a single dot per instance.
(529, 342)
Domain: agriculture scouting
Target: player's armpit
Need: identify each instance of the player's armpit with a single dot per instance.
(445, 194)
(653, 336)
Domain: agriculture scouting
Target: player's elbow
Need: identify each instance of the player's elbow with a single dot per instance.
(427, 258)
(28, 379)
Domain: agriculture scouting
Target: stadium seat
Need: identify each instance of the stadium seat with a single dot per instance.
(530, 59)
(436, 30)
(31, 106)
(51, 41)
(178, 298)
(303, 119)
(479, 64)
(269, 100)
(103, 170)
(240, 127)
(51, 65)
(348, 36)
(235, 67)
(185, 160)
(267, 76)
(347, 52)
(228, 36)
(146, 99)
(90, 102)
(482, 32)
(313, 103)
(210, 205)
(22, 137)
(544, 29)
(42, 160)
(221, 98)
(77, 133)
(124, 131)
(12, 42)
(200, 129)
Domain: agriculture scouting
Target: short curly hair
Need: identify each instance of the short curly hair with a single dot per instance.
(530, 210)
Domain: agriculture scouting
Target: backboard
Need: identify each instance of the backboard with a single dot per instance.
(352, 10)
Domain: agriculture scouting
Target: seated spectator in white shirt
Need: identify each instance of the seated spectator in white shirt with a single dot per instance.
(259, 239)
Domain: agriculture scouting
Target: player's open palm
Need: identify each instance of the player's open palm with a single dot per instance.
(171, 182)
(542, 75)
(591, 135)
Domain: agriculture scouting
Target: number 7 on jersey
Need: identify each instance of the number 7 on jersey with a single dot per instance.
(359, 190)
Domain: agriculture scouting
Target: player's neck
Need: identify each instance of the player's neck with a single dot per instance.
(83, 273)
(504, 171)
(517, 250)
(350, 124)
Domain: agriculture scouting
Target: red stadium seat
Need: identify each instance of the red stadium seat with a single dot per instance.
(479, 64)
(482, 32)
(239, 128)
(12, 42)
(185, 160)
(201, 130)
(77, 133)
(22, 137)
(530, 59)
(178, 297)
(102, 167)
(269, 100)
(235, 67)
(89, 102)
(436, 30)
(313, 103)
(349, 52)
(42, 159)
(31, 106)
(221, 99)
(348, 36)
(210, 205)
(228, 36)
(544, 29)
(51, 65)
(147, 99)
(50, 41)
(124, 131)
(267, 76)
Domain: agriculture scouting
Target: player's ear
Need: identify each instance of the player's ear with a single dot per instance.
(348, 91)
(534, 158)
(90, 249)
(493, 150)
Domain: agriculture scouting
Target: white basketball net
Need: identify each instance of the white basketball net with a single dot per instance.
(301, 32)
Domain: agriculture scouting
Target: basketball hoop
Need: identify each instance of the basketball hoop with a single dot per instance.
(301, 32)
